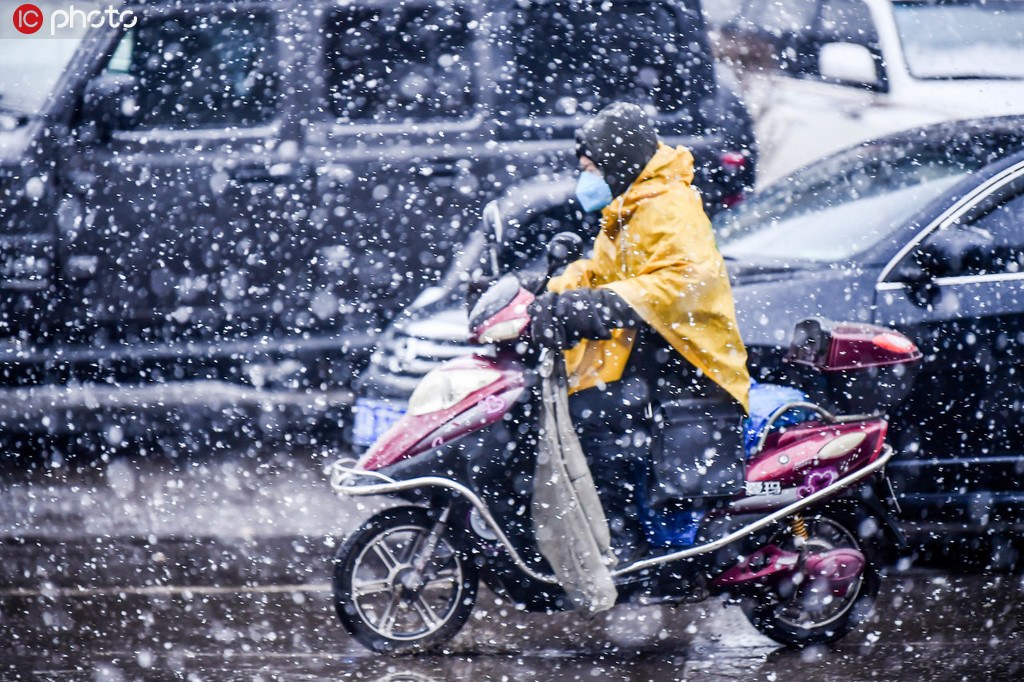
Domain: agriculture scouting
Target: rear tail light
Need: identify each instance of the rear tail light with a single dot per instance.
(730, 200)
(896, 343)
(733, 161)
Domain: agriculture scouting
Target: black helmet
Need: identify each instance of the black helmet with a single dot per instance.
(620, 140)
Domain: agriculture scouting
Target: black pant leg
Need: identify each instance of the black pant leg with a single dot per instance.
(614, 434)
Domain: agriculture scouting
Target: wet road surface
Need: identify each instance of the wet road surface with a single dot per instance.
(190, 568)
(926, 627)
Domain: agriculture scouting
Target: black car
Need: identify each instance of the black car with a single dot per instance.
(921, 231)
(244, 190)
(924, 232)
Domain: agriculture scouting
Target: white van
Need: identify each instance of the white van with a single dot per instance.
(821, 75)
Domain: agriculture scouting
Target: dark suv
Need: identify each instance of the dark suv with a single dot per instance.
(244, 191)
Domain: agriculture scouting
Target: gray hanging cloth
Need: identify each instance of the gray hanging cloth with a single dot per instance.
(568, 520)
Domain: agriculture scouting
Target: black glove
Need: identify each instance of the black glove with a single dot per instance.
(531, 281)
(561, 321)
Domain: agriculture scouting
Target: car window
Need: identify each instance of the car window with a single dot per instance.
(990, 245)
(407, 62)
(962, 39)
(29, 75)
(747, 19)
(201, 71)
(847, 21)
(795, 30)
(843, 205)
(837, 21)
(723, 12)
(789, 16)
(648, 53)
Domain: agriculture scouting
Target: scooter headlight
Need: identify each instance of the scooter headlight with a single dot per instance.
(441, 388)
(504, 331)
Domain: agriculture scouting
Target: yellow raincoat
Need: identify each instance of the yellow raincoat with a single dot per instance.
(656, 250)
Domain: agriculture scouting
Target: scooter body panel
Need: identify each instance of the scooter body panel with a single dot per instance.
(416, 433)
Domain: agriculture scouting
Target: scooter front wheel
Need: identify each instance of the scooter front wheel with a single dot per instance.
(800, 615)
(392, 592)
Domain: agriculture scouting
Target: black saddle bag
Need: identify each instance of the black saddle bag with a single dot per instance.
(698, 451)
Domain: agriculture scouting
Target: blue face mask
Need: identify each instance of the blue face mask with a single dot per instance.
(593, 192)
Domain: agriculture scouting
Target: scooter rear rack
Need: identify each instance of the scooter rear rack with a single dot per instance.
(347, 480)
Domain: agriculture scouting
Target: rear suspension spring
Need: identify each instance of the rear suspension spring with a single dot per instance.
(798, 528)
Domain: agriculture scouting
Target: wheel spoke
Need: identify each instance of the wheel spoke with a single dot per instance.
(388, 618)
(368, 587)
(806, 607)
(383, 551)
(447, 581)
(412, 556)
(426, 613)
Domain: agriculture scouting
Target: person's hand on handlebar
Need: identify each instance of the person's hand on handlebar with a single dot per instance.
(561, 321)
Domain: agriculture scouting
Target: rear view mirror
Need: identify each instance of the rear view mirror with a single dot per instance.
(918, 271)
(847, 63)
(951, 251)
(494, 230)
(110, 103)
(493, 222)
(955, 250)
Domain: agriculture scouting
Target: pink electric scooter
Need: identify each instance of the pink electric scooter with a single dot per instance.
(799, 547)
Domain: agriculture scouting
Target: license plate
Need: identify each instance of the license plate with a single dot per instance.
(373, 417)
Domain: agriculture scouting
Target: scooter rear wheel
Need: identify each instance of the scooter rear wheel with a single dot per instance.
(798, 615)
(378, 595)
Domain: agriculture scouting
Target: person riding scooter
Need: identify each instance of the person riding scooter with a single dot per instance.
(649, 317)
(493, 484)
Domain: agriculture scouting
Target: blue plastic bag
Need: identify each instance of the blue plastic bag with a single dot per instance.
(764, 400)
